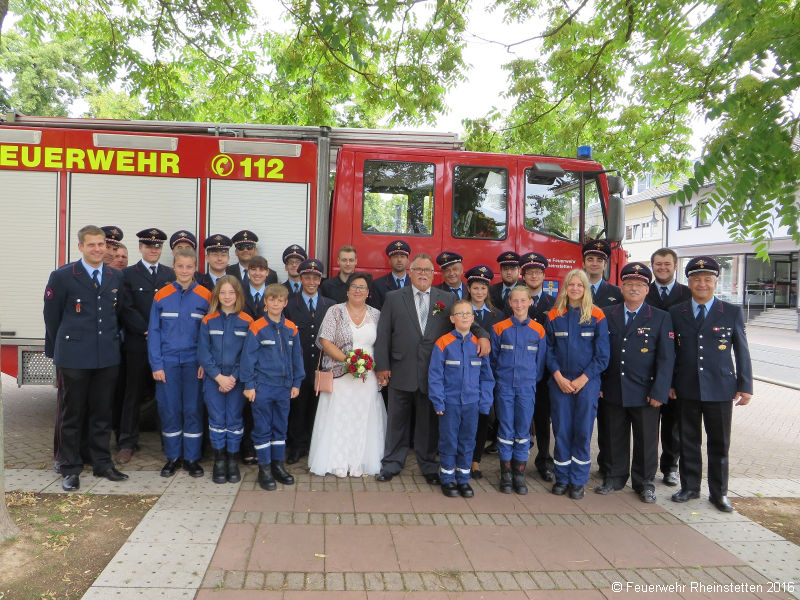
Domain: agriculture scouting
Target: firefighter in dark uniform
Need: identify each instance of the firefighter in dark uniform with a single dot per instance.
(635, 384)
(183, 239)
(712, 371)
(452, 268)
(509, 273)
(398, 252)
(533, 266)
(244, 244)
(664, 292)
(217, 247)
(292, 257)
(114, 236)
(141, 281)
(82, 308)
(306, 310)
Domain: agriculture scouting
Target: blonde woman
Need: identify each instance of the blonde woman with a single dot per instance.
(577, 353)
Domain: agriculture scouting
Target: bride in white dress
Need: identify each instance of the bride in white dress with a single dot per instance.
(350, 425)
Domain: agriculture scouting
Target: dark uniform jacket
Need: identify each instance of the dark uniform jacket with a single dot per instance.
(335, 289)
(607, 295)
(250, 307)
(679, 293)
(288, 285)
(82, 322)
(642, 356)
(140, 287)
(206, 280)
(538, 312)
(464, 290)
(496, 296)
(382, 286)
(705, 356)
(236, 271)
(308, 327)
(486, 318)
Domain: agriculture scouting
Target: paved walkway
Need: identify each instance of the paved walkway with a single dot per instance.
(361, 539)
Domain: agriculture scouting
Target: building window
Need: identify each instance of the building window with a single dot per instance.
(398, 197)
(684, 217)
(703, 214)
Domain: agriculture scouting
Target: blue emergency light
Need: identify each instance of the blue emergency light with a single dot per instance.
(585, 152)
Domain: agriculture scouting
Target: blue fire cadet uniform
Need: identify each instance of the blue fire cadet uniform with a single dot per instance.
(444, 260)
(460, 383)
(172, 336)
(271, 364)
(575, 348)
(498, 292)
(214, 243)
(518, 359)
(642, 358)
(293, 251)
(712, 365)
(388, 283)
(218, 352)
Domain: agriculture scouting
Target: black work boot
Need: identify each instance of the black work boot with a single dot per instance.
(265, 478)
(280, 473)
(505, 477)
(218, 472)
(518, 476)
(232, 471)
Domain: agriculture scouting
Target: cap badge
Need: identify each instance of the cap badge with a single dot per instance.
(637, 268)
(218, 238)
(398, 244)
(701, 263)
(482, 269)
(153, 232)
(115, 231)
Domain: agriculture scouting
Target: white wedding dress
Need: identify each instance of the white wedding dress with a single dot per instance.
(350, 425)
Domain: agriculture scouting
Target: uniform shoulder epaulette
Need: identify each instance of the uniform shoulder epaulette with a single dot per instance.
(202, 292)
(536, 327)
(290, 325)
(554, 313)
(501, 326)
(164, 292)
(258, 325)
(598, 314)
(445, 340)
(245, 317)
(210, 316)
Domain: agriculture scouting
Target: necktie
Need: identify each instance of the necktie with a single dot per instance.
(663, 293)
(422, 310)
(245, 280)
(257, 298)
(631, 316)
(399, 283)
(535, 301)
(95, 278)
(296, 287)
(701, 314)
(505, 294)
(457, 292)
(594, 293)
(153, 271)
(311, 306)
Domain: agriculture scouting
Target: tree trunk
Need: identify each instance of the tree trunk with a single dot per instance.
(7, 527)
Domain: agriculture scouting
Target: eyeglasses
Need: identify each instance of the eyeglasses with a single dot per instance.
(359, 288)
(463, 315)
(422, 270)
(245, 246)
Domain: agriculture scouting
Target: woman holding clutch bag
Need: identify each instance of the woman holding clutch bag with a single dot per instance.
(350, 425)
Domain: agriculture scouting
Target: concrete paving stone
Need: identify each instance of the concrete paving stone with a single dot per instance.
(234, 580)
(454, 519)
(139, 564)
(100, 593)
(440, 519)
(493, 502)
(182, 483)
(432, 582)
(349, 519)
(611, 575)
(379, 519)
(751, 574)
(331, 518)
(328, 502)
(778, 560)
(356, 548)
(701, 511)
(363, 519)
(287, 548)
(178, 526)
(550, 504)
(524, 580)
(394, 519)
(496, 549)
(88, 482)
(764, 487)
(626, 547)
(739, 531)
(274, 581)
(412, 581)
(408, 519)
(334, 581)
(488, 580)
(580, 580)
(239, 595)
(500, 519)
(316, 519)
(315, 581)
(233, 548)
(373, 581)
(213, 578)
(393, 581)
(139, 482)
(284, 517)
(543, 580)
(204, 502)
(438, 503)
(561, 580)
(561, 548)
(596, 579)
(300, 518)
(565, 595)
(261, 501)
(632, 576)
(424, 519)
(295, 581)
(253, 580)
(469, 582)
(428, 548)
(686, 546)
(378, 502)
(558, 520)
(30, 480)
(506, 580)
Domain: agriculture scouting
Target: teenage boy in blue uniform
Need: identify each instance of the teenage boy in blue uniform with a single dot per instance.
(518, 358)
(272, 370)
(172, 336)
(460, 385)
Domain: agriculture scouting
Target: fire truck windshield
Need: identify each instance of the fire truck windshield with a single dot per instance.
(553, 207)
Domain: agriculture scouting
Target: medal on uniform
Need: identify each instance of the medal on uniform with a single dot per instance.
(78, 307)
(643, 350)
(722, 347)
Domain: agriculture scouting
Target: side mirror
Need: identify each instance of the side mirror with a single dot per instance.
(616, 185)
(616, 217)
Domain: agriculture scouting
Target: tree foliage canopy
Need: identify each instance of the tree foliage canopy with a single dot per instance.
(630, 77)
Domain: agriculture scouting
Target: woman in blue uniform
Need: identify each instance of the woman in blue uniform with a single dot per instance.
(577, 353)
(222, 335)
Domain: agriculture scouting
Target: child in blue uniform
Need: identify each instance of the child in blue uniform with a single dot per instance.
(460, 385)
(272, 370)
(578, 350)
(222, 335)
(175, 316)
(518, 357)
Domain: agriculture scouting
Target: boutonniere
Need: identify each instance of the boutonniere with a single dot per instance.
(438, 307)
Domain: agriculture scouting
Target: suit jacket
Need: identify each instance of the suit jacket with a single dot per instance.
(236, 271)
(288, 285)
(402, 347)
(250, 307)
(705, 356)
(679, 293)
(607, 295)
(496, 295)
(334, 288)
(464, 291)
(539, 312)
(82, 323)
(140, 287)
(308, 327)
(642, 357)
(382, 286)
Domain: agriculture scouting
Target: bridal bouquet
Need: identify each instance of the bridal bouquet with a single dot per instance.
(358, 363)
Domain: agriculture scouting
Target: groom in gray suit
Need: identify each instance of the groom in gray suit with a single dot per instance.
(412, 319)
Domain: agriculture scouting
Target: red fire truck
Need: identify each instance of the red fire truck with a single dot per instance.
(58, 174)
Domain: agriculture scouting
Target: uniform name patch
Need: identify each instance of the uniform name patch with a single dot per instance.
(452, 362)
(241, 333)
(587, 333)
(562, 333)
(267, 342)
(506, 347)
(533, 348)
(475, 363)
(215, 332)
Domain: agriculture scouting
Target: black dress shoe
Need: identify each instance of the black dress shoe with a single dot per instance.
(685, 496)
(648, 496)
(112, 474)
(576, 492)
(491, 448)
(294, 456)
(194, 468)
(604, 489)
(476, 474)
(71, 483)
(559, 489)
(433, 479)
(546, 474)
(722, 503)
(384, 477)
(280, 473)
(465, 490)
(265, 478)
(671, 479)
(169, 468)
(450, 490)
(249, 460)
